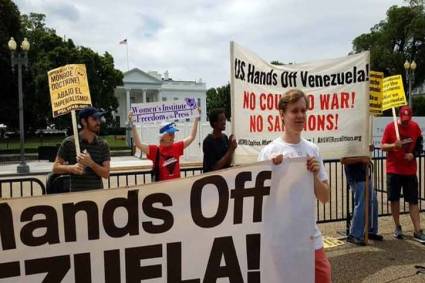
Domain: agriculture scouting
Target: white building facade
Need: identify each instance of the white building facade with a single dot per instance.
(143, 87)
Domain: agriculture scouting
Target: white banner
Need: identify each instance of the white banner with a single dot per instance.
(164, 111)
(338, 95)
(235, 225)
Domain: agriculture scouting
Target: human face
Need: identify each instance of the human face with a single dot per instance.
(294, 117)
(93, 124)
(167, 139)
(221, 122)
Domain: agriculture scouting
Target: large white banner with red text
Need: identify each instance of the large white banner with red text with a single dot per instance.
(250, 224)
(338, 96)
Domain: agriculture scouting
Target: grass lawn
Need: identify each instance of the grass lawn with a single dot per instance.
(32, 143)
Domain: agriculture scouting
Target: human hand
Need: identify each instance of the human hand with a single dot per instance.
(313, 165)
(409, 156)
(277, 159)
(77, 169)
(397, 144)
(199, 112)
(371, 147)
(233, 144)
(85, 159)
(130, 118)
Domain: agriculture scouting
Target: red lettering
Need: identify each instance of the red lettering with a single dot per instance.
(256, 123)
(262, 104)
(324, 101)
(310, 99)
(274, 123)
(345, 96)
(248, 100)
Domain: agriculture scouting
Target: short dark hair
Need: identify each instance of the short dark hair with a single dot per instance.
(213, 115)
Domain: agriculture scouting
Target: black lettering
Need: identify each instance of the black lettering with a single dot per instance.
(157, 213)
(50, 223)
(82, 268)
(134, 272)
(223, 247)
(131, 205)
(174, 264)
(56, 267)
(258, 193)
(112, 261)
(69, 212)
(6, 227)
(196, 201)
(10, 269)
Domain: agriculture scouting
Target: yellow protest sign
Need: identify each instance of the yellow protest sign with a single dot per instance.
(375, 92)
(393, 93)
(69, 89)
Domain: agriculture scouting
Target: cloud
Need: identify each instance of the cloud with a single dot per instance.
(191, 38)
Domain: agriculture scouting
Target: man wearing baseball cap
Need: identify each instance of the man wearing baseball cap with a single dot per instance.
(92, 164)
(166, 156)
(401, 169)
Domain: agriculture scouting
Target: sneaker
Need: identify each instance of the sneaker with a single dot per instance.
(420, 237)
(355, 241)
(398, 233)
(375, 237)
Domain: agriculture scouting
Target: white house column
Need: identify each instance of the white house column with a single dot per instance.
(144, 96)
(127, 100)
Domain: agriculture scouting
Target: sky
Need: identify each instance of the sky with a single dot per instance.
(190, 39)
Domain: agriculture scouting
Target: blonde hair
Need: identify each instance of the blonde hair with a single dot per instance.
(291, 96)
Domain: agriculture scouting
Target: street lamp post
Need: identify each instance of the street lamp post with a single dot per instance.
(410, 68)
(19, 59)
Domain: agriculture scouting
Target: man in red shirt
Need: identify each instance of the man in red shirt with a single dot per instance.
(166, 156)
(401, 169)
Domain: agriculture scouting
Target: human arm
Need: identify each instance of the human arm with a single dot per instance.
(59, 167)
(101, 170)
(227, 157)
(321, 187)
(353, 160)
(142, 146)
(391, 146)
(189, 139)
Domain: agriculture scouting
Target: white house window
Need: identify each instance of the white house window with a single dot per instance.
(164, 98)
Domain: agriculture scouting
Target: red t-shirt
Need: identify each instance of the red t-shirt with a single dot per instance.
(396, 164)
(169, 164)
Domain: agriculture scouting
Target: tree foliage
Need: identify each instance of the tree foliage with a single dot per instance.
(219, 98)
(9, 26)
(49, 51)
(400, 37)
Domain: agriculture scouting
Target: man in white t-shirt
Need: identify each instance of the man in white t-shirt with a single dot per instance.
(292, 111)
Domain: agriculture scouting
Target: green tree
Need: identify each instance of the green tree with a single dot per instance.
(219, 98)
(49, 51)
(400, 37)
(9, 26)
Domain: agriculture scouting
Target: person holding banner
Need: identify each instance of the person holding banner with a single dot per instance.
(93, 163)
(292, 110)
(217, 147)
(166, 156)
(355, 170)
(401, 169)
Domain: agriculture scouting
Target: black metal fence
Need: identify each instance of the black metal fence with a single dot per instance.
(339, 208)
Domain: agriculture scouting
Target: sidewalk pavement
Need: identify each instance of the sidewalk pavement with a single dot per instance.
(391, 260)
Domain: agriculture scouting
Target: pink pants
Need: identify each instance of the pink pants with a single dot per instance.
(322, 267)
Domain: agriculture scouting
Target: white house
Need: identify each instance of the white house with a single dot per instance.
(141, 87)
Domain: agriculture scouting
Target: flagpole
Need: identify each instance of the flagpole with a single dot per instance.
(126, 45)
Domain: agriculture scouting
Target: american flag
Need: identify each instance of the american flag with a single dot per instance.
(123, 41)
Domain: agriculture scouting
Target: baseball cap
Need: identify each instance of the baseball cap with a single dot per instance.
(405, 113)
(90, 111)
(167, 128)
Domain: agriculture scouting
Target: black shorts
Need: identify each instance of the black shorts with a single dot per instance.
(410, 187)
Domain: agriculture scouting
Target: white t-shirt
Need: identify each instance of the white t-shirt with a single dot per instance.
(302, 149)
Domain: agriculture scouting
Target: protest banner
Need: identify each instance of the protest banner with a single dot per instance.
(394, 95)
(235, 225)
(69, 91)
(164, 111)
(375, 92)
(338, 98)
